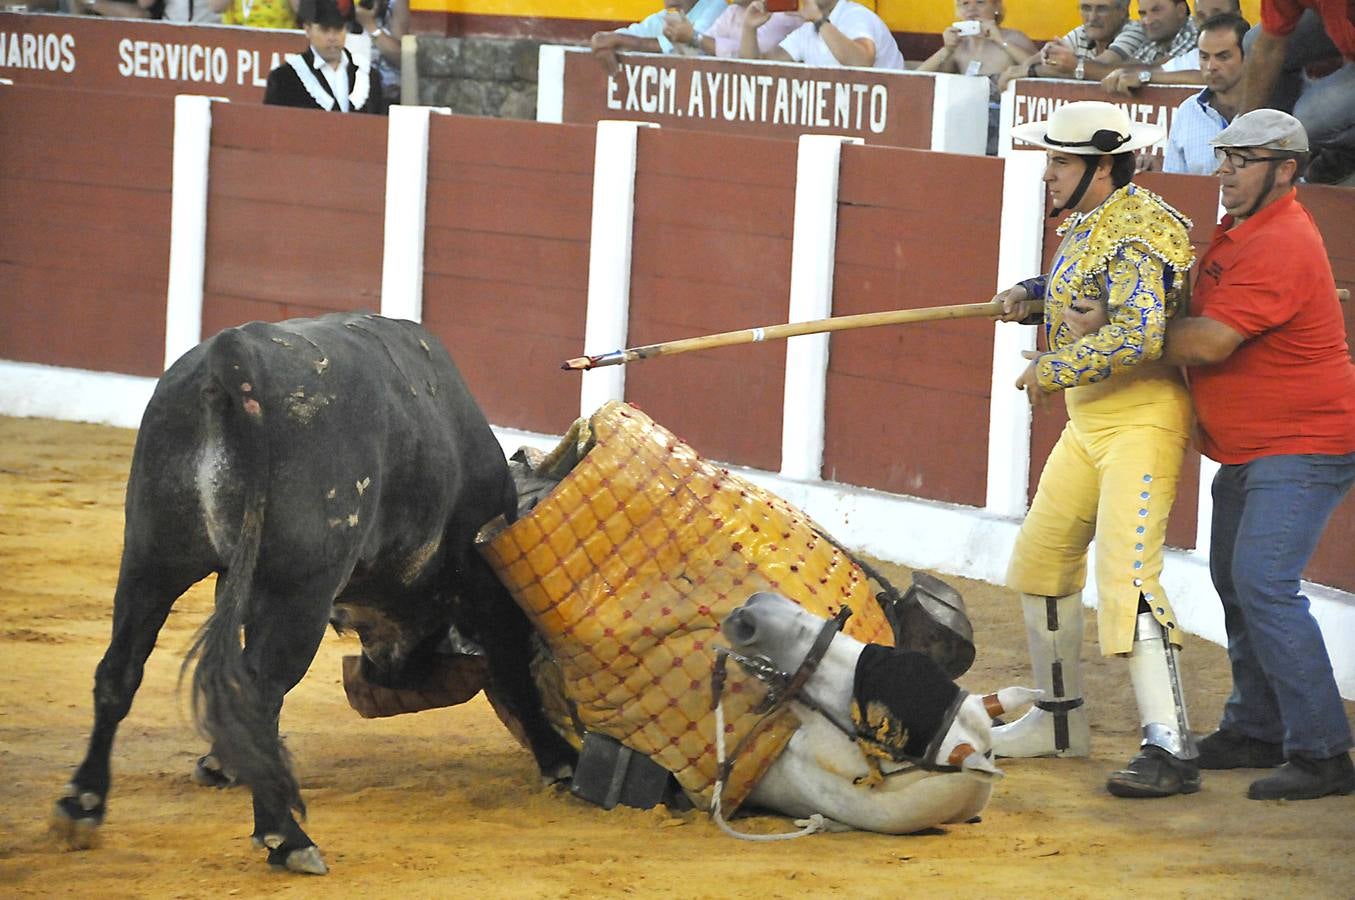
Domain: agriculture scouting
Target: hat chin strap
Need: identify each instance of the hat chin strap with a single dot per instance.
(1082, 186)
(1266, 187)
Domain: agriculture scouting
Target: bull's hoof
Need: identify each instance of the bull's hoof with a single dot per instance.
(76, 818)
(208, 773)
(306, 860)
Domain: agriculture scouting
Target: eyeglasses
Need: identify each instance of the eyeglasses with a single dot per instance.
(1239, 160)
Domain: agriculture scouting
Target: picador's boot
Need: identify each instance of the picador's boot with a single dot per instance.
(1167, 763)
(1057, 724)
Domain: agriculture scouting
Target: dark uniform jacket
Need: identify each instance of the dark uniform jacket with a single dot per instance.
(288, 87)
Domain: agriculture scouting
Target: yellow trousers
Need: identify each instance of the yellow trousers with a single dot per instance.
(1112, 476)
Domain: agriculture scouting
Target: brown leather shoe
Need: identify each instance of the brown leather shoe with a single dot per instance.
(1226, 749)
(1305, 778)
(1155, 773)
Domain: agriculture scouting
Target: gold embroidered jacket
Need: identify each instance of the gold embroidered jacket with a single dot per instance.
(1131, 254)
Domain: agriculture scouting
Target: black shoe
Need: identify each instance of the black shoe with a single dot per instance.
(1155, 773)
(1226, 749)
(1305, 778)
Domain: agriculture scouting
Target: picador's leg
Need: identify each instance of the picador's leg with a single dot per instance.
(1057, 724)
(1167, 761)
(508, 648)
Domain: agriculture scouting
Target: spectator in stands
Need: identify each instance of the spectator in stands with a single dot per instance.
(989, 53)
(1208, 9)
(835, 33)
(385, 23)
(1102, 22)
(1172, 32)
(1204, 115)
(1185, 69)
(326, 76)
(725, 35)
(199, 12)
(1295, 35)
(658, 33)
(257, 13)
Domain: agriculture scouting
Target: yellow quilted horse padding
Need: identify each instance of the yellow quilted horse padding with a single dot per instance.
(627, 568)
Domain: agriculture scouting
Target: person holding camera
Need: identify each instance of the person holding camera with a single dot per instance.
(385, 23)
(978, 45)
(325, 76)
(725, 35)
(674, 29)
(835, 33)
(1113, 474)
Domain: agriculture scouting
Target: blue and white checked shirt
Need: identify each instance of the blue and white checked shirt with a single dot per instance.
(1188, 149)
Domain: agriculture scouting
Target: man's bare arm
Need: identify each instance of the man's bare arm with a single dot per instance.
(1199, 341)
(1262, 70)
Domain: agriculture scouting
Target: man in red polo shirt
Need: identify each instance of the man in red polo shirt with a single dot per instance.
(1293, 35)
(1274, 389)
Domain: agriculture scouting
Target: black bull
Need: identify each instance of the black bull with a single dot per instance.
(327, 467)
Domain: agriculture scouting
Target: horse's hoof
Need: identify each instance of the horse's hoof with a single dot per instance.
(73, 826)
(308, 861)
(208, 773)
(560, 773)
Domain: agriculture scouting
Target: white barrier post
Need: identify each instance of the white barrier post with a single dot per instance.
(187, 225)
(406, 211)
(550, 83)
(813, 248)
(1019, 257)
(609, 258)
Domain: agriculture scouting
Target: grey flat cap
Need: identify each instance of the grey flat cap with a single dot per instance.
(1264, 128)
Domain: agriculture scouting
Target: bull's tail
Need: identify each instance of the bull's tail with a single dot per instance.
(228, 705)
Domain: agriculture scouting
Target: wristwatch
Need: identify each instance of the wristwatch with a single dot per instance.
(819, 23)
(1145, 76)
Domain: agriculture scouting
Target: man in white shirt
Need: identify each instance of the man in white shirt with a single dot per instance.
(835, 33)
(1205, 114)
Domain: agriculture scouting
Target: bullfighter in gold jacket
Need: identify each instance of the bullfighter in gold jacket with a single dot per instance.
(1124, 258)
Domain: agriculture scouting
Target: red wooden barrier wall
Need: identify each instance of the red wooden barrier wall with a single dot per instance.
(714, 216)
(506, 261)
(908, 405)
(295, 214)
(84, 214)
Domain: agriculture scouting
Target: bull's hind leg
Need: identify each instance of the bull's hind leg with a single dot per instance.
(141, 603)
(279, 648)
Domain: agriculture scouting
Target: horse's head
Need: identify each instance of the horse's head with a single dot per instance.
(773, 627)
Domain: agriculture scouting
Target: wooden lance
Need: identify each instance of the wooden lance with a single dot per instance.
(777, 332)
(817, 326)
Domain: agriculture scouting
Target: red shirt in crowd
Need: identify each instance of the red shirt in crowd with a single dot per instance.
(1288, 388)
(1281, 17)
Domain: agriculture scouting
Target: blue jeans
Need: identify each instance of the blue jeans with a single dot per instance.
(1326, 107)
(1268, 516)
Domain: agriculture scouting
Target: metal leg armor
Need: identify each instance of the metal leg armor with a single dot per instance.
(1156, 676)
(1057, 724)
(1166, 763)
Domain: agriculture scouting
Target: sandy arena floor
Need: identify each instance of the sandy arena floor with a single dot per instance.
(445, 803)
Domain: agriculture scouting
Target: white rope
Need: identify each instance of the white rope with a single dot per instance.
(813, 824)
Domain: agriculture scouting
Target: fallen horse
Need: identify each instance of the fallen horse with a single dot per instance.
(633, 553)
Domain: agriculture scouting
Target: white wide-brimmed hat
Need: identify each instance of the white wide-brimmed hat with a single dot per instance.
(1089, 128)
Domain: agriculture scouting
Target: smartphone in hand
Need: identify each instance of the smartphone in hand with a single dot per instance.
(782, 5)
